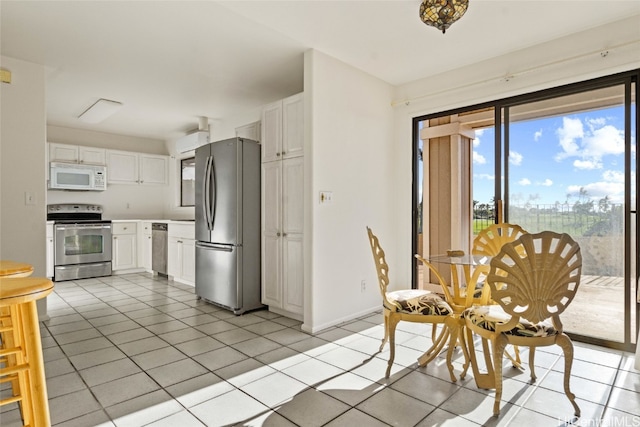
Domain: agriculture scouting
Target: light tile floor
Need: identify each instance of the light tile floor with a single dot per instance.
(134, 350)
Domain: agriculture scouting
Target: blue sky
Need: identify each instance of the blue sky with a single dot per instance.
(550, 159)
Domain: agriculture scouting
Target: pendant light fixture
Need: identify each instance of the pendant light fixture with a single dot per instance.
(442, 13)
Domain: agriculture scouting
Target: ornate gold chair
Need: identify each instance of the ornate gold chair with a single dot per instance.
(490, 240)
(410, 305)
(532, 281)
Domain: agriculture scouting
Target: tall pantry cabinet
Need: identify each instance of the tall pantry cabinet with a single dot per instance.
(282, 206)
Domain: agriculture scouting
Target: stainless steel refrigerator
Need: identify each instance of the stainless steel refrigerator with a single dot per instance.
(228, 224)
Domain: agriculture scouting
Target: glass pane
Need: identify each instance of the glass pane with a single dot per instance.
(483, 165)
(188, 182)
(83, 245)
(566, 174)
(73, 178)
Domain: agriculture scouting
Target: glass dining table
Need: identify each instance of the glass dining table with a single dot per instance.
(467, 285)
(467, 288)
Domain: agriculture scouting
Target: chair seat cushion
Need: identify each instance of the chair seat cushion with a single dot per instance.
(487, 317)
(416, 301)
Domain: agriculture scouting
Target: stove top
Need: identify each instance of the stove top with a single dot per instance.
(66, 212)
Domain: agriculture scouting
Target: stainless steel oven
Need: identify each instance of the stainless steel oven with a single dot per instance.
(82, 242)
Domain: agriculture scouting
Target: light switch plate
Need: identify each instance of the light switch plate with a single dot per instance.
(29, 198)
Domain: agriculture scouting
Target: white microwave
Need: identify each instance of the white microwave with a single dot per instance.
(77, 176)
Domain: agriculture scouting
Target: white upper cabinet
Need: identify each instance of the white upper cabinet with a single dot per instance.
(63, 153)
(283, 129)
(91, 155)
(153, 169)
(125, 167)
(122, 167)
(76, 154)
(250, 131)
(292, 126)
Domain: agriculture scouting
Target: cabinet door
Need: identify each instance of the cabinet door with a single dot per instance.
(63, 153)
(250, 131)
(124, 252)
(153, 169)
(189, 260)
(122, 167)
(94, 156)
(271, 132)
(145, 252)
(271, 193)
(293, 126)
(174, 257)
(292, 195)
(292, 277)
(271, 265)
(271, 234)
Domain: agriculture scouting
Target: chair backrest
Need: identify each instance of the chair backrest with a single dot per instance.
(490, 240)
(382, 268)
(536, 276)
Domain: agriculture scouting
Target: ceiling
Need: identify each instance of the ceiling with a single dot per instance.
(172, 62)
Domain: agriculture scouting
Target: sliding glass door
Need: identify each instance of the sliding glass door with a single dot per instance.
(564, 165)
(562, 160)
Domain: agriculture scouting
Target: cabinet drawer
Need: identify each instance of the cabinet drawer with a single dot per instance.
(187, 231)
(146, 227)
(124, 227)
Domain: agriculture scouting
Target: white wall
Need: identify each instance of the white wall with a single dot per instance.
(349, 151)
(22, 166)
(598, 52)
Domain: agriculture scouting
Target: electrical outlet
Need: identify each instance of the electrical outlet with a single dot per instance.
(363, 285)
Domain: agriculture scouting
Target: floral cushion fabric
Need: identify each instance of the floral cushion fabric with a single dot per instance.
(487, 317)
(414, 301)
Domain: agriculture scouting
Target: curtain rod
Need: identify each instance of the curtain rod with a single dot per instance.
(602, 52)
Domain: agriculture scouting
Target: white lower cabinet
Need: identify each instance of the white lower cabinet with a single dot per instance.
(145, 246)
(49, 246)
(123, 246)
(181, 263)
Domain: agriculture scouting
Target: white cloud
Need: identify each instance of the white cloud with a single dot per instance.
(478, 158)
(613, 176)
(515, 158)
(546, 183)
(598, 190)
(476, 140)
(603, 141)
(587, 164)
(537, 135)
(589, 142)
(570, 131)
(484, 176)
(524, 181)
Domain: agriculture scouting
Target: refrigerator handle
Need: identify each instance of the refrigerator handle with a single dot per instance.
(212, 201)
(214, 246)
(205, 194)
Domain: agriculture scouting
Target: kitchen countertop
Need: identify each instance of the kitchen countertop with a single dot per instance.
(155, 220)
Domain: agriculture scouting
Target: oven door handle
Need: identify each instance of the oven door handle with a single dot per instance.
(83, 227)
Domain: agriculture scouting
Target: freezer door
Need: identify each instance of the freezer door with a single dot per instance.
(217, 276)
(226, 192)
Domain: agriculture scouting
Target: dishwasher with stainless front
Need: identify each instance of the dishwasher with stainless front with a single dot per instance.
(159, 247)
